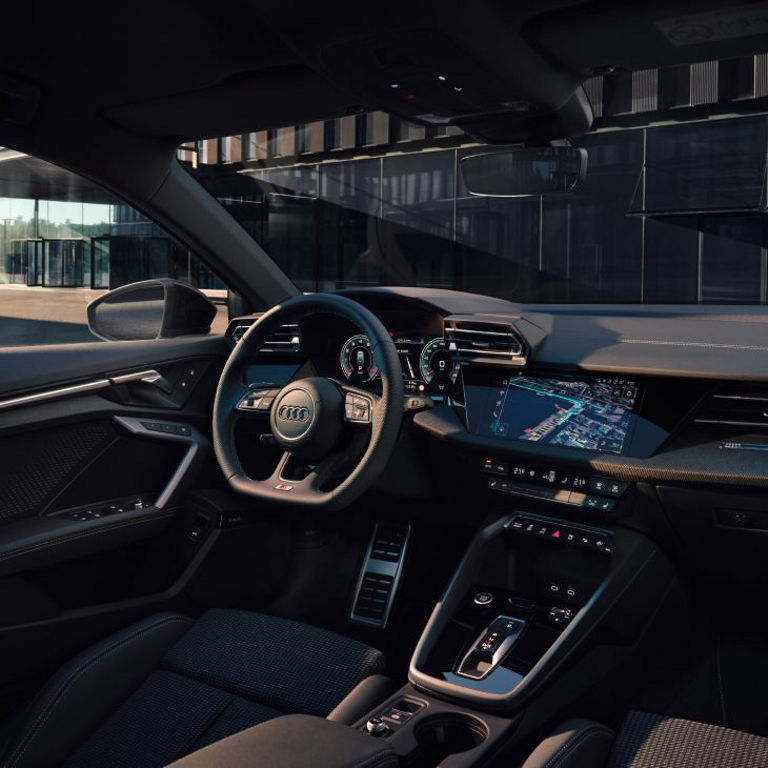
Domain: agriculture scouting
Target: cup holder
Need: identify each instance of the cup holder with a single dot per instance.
(439, 736)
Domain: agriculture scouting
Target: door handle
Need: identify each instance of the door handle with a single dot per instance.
(151, 377)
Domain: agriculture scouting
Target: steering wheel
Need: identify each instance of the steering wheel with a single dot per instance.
(318, 422)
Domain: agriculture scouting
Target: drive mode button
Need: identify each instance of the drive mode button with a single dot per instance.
(495, 467)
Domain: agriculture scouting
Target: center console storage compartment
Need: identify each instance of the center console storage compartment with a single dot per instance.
(294, 741)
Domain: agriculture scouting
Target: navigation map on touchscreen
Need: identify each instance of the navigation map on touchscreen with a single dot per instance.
(594, 415)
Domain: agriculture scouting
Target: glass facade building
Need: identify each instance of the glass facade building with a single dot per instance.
(673, 208)
(670, 212)
(60, 231)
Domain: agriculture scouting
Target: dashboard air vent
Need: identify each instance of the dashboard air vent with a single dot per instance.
(486, 342)
(287, 340)
(738, 406)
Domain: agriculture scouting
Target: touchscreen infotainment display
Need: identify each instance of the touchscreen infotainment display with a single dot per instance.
(594, 414)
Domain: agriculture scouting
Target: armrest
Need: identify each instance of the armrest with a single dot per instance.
(37, 542)
(294, 741)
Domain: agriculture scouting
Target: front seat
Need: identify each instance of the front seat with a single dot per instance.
(646, 740)
(169, 685)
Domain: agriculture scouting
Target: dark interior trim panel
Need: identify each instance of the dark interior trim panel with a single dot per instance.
(26, 369)
(43, 541)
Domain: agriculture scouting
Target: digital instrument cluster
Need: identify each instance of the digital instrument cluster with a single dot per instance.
(426, 364)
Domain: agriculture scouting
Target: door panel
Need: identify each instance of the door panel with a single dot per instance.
(25, 369)
(93, 531)
(81, 472)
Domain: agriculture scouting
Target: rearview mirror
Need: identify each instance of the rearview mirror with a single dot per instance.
(524, 171)
(150, 309)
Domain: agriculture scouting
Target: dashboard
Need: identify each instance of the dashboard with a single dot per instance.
(615, 388)
(656, 417)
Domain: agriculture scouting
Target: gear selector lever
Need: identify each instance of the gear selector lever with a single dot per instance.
(489, 649)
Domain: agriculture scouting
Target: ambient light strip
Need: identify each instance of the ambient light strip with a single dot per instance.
(150, 377)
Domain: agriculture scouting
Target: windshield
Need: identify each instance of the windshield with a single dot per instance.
(668, 213)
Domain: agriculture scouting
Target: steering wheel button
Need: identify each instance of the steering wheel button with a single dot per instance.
(357, 408)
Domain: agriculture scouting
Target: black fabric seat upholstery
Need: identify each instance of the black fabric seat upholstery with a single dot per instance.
(647, 740)
(168, 686)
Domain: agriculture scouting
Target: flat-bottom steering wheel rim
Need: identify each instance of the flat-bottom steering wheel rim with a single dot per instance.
(386, 410)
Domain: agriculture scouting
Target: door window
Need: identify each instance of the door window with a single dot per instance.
(64, 242)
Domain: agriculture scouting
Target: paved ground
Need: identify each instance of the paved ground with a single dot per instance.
(30, 315)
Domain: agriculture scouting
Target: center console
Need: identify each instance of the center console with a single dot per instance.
(513, 633)
(513, 599)
(557, 587)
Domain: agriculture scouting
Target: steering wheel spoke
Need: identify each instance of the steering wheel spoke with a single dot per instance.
(277, 479)
(317, 476)
(323, 472)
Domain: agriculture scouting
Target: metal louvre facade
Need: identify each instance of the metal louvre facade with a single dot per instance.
(672, 211)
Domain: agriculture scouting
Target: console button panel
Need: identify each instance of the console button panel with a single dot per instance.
(386, 722)
(563, 486)
(566, 534)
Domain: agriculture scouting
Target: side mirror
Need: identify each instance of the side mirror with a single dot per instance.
(524, 171)
(150, 309)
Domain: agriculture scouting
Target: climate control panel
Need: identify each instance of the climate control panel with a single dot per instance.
(557, 484)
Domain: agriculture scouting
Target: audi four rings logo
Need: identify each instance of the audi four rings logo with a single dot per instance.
(293, 413)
